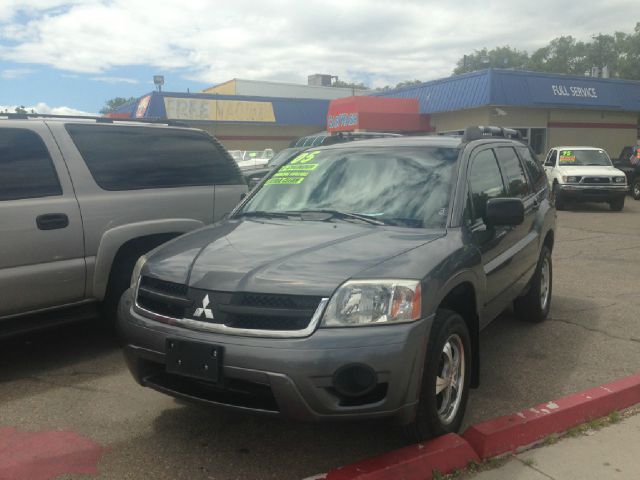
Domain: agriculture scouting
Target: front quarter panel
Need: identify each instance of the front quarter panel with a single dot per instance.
(114, 238)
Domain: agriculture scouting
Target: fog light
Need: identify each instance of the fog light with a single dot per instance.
(354, 380)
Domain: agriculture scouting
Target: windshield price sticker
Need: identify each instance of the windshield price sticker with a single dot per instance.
(296, 171)
(567, 156)
(299, 168)
(285, 181)
(305, 157)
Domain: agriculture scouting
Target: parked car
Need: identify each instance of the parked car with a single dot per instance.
(629, 163)
(254, 176)
(351, 284)
(252, 159)
(584, 174)
(81, 199)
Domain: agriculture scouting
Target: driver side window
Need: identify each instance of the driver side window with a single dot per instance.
(551, 159)
(485, 182)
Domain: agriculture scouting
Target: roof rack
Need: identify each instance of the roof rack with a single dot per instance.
(480, 132)
(26, 116)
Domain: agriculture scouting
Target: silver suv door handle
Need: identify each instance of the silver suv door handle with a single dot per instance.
(52, 221)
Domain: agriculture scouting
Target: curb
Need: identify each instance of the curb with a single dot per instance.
(415, 462)
(512, 432)
(495, 437)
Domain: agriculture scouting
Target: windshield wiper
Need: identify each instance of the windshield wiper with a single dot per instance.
(262, 214)
(341, 215)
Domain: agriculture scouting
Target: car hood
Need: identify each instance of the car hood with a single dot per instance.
(302, 257)
(587, 170)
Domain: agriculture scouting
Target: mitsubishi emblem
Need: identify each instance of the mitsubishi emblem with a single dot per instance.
(208, 313)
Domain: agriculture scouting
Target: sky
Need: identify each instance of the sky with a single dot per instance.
(70, 56)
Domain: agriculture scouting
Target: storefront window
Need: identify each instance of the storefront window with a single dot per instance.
(538, 139)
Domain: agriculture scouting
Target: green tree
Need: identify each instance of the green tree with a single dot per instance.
(499, 57)
(113, 104)
(343, 84)
(619, 52)
(21, 109)
(629, 61)
(403, 84)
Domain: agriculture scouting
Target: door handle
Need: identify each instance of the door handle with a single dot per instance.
(52, 221)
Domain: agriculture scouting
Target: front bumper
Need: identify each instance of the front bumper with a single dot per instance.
(592, 193)
(289, 377)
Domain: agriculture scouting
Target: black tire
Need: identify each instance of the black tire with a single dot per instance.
(635, 189)
(448, 327)
(617, 205)
(119, 281)
(532, 307)
(557, 198)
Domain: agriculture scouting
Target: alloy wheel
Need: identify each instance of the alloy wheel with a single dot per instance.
(450, 379)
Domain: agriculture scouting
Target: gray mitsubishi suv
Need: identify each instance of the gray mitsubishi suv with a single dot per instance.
(352, 283)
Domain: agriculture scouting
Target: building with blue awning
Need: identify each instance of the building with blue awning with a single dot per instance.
(549, 109)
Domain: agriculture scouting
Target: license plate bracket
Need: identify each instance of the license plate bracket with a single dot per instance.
(202, 361)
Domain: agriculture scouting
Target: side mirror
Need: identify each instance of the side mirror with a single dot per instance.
(505, 211)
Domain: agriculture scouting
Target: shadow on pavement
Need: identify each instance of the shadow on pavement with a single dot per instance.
(36, 355)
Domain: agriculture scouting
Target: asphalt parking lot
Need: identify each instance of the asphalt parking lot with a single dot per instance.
(75, 378)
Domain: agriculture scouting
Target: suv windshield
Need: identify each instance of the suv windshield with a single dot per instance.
(584, 157)
(404, 186)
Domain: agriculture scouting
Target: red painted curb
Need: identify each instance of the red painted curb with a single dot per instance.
(509, 433)
(415, 462)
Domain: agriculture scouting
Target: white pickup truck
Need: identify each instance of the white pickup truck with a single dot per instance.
(584, 174)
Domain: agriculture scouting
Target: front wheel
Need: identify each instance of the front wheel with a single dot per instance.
(534, 306)
(557, 198)
(617, 205)
(445, 380)
(635, 189)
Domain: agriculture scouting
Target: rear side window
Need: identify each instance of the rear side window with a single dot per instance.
(26, 169)
(534, 169)
(485, 182)
(134, 158)
(510, 165)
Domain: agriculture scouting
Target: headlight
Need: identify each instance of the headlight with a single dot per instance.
(619, 179)
(135, 276)
(571, 179)
(373, 302)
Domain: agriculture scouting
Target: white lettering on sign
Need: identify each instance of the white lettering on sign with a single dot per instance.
(563, 91)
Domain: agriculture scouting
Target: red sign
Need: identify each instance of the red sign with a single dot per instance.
(380, 114)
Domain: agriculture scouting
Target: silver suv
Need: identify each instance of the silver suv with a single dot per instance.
(82, 198)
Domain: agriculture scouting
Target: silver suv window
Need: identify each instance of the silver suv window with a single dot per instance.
(134, 158)
(26, 169)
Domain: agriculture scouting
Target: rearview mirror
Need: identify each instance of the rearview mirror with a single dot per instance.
(505, 211)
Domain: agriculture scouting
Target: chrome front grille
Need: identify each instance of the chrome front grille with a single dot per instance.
(226, 311)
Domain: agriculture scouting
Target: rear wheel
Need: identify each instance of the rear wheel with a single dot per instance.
(445, 380)
(635, 189)
(535, 304)
(617, 204)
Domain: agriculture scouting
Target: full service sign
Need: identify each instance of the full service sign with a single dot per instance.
(574, 91)
(591, 92)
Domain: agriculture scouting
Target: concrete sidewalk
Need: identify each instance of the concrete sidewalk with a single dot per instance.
(610, 453)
